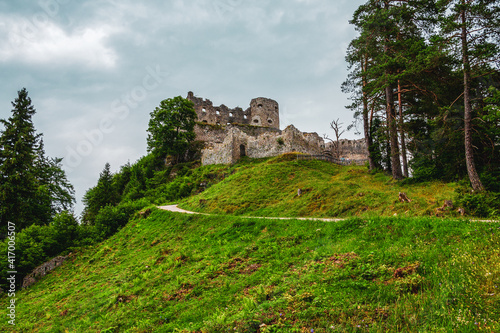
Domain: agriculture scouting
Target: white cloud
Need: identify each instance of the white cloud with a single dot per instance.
(45, 43)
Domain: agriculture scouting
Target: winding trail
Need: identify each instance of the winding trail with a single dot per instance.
(176, 209)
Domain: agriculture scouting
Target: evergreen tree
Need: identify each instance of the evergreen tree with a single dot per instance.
(19, 143)
(102, 195)
(474, 28)
(53, 183)
(33, 188)
(386, 52)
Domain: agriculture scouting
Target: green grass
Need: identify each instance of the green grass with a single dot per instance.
(269, 188)
(176, 273)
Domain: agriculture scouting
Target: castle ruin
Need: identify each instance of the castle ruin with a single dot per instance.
(230, 134)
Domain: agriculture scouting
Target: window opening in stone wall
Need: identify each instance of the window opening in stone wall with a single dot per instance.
(218, 124)
(228, 123)
(256, 121)
(245, 116)
(269, 121)
(230, 114)
(204, 110)
(217, 112)
(260, 106)
(205, 121)
(243, 151)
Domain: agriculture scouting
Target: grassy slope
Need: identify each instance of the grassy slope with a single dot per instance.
(269, 188)
(171, 272)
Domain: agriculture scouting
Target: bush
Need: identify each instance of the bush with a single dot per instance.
(483, 204)
(110, 219)
(65, 231)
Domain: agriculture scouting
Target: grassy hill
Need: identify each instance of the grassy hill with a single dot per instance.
(269, 188)
(176, 273)
(169, 272)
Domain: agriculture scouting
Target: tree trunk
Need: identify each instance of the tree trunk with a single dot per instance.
(366, 122)
(393, 134)
(469, 152)
(391, 117)
(401, 125)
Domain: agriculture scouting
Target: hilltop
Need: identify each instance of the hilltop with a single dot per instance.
(269, 187)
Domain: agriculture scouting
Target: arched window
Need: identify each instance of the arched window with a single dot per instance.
(243, 151)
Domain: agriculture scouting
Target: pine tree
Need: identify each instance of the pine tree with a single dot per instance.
(18, 185)
(102, 195)
(33, 188)
(390, 40)
(474, 28)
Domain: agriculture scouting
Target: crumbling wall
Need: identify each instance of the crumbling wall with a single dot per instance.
(351, 149)
(42, 270)
(241, 141)
(262, 112)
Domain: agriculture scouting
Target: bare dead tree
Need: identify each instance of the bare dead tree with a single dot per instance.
(336, 125)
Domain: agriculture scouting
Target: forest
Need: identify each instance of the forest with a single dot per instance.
(424, 83)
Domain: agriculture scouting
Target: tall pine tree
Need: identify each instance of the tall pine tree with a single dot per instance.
(474, 28)
(33, 188)
(18, 148)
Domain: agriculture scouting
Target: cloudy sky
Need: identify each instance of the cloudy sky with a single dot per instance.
(96, 69)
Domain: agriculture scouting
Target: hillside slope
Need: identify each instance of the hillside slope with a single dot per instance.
(177, 273)
(269, 188)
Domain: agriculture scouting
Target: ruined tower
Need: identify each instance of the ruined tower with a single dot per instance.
(265, 112)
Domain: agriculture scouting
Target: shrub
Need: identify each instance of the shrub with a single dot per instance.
(110, 219)
(483, 204)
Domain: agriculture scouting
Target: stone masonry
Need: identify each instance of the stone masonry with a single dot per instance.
(42, 270)
(230, 134)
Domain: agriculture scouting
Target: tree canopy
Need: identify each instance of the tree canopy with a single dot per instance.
(423, 77)
(171, 127)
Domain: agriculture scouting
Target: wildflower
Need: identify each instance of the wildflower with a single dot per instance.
(312, 331)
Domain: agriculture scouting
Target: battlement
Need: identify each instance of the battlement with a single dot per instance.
(262, 112)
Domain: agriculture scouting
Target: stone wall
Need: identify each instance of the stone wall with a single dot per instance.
(258, 142)
(42, 270)
(351, 149)
(262, 112)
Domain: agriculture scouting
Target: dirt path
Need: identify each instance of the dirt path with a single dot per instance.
(176, 209)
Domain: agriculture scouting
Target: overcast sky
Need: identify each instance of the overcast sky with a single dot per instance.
(96, 69)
